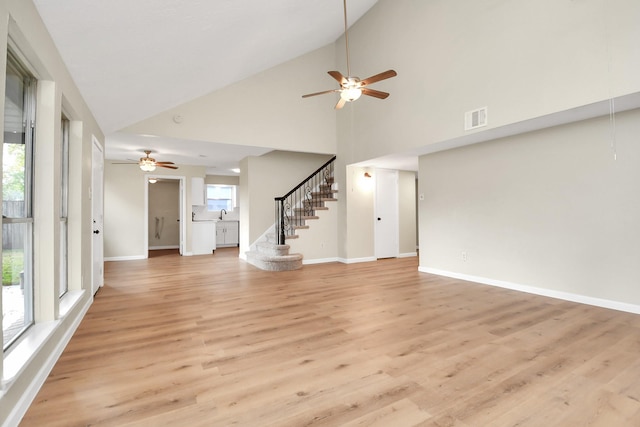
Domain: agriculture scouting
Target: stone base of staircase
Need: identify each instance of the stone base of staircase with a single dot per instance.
(270, 256)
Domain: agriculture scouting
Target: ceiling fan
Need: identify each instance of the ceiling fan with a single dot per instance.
(149, 164)
(351, 88)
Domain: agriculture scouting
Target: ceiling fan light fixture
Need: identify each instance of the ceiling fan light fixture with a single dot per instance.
(351, 94)
(147, 165)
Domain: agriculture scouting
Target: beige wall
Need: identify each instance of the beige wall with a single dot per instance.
(125, 227)
(407, 213)
(357, 195)
(267, 177)
(164, 213)
(222, 179)
(550, 209)
(318, 243)
(521, 59)
(266, 110)
(20, 22)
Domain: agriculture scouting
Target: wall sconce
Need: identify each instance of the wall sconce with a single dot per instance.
(367, 175)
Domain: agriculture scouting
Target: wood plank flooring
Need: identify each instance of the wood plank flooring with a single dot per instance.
(212, 341)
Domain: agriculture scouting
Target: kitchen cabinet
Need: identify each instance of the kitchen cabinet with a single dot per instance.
(197, 191)
(203, 239)
(227, 233)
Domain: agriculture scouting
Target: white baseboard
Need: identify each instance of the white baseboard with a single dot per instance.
(319, 261)
(160, 248)
(125, 258)
(356, 260)
(408, 255)
(21, 407)
(566, 296)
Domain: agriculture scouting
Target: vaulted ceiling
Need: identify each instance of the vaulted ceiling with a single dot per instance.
(134, 59)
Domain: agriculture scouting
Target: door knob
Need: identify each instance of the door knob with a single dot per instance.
(379, 219)
(96, 231)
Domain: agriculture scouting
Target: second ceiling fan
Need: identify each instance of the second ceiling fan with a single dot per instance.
(351, 88)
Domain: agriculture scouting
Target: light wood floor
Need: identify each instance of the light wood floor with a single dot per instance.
(212, 341)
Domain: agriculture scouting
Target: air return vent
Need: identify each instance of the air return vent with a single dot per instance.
(475, 119)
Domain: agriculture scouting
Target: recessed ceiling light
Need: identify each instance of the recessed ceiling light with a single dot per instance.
(235, 170)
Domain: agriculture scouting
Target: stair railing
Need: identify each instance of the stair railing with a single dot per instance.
(299, 203)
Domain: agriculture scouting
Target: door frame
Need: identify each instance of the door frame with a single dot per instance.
(181, 209)
(97, 215)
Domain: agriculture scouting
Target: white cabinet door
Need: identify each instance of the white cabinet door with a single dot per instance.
(197, 191)
(231, 235)
(220, 234)
(227, 233)
(203, 241)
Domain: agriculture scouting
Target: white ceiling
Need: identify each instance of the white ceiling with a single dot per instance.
(134, 59)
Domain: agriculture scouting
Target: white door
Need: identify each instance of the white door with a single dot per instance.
(386, 213)
(181, 216)
(97, 177)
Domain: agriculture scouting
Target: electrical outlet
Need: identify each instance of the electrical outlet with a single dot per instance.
(464, 256)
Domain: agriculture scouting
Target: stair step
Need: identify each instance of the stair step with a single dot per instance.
(323, 199)
(300, 227)
(291, 236)
(306, 217)
(275, 263)
(273, 249)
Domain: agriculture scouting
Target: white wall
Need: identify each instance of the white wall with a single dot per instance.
(550, 209)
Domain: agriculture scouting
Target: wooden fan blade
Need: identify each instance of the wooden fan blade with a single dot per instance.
(340, 103)
(165, 163)
(166, 166)
(320, 93)
(374, 93)
(382, 76)
(338, 76)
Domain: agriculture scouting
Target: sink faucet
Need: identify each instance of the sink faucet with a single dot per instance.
(222, 210)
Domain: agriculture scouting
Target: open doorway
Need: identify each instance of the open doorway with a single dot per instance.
(165, 214)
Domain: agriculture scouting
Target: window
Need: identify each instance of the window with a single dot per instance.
(17, 219)
(221, 197)
(64, 206)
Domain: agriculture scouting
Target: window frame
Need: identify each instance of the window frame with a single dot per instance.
(29, 126)
(64, 206)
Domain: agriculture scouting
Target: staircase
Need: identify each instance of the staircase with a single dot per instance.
(292, 213)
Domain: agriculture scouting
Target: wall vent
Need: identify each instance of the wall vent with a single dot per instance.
(475, 119)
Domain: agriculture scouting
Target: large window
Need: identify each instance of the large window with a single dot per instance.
(221, 197)
(17, 218)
